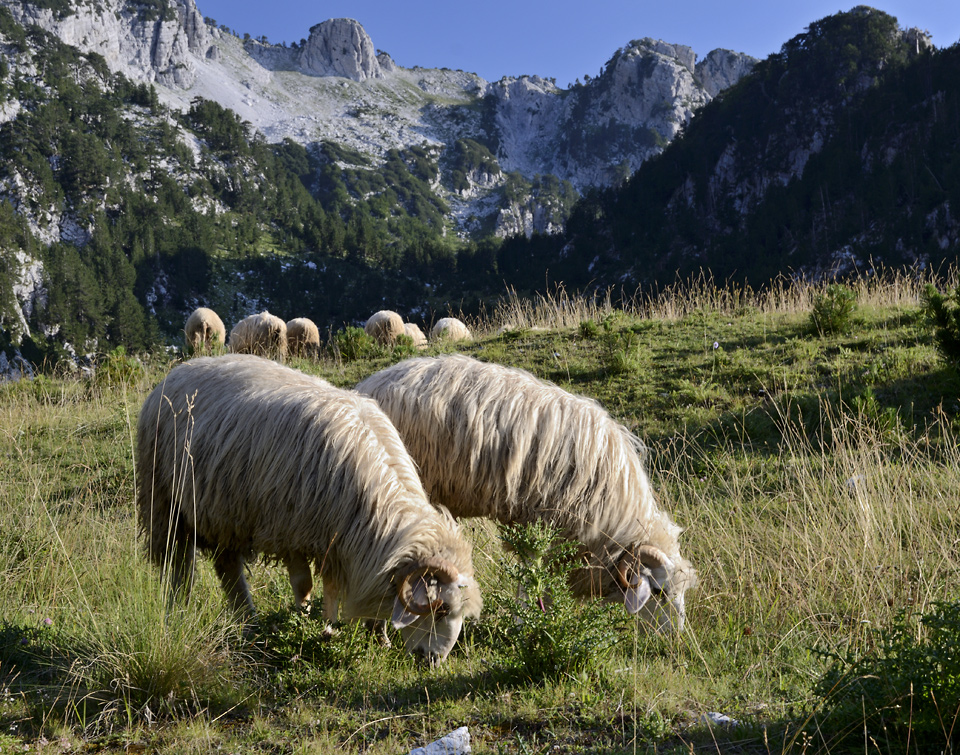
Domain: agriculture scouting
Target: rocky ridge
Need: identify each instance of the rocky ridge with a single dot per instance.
(335, 87)
(160, 47)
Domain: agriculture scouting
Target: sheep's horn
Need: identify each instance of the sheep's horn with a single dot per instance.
(644, 555)
(442, 569)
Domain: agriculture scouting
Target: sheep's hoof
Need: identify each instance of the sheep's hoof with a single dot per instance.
(378, 628)
(250, 630)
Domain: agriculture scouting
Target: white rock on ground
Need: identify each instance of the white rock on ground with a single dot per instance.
(455, 743)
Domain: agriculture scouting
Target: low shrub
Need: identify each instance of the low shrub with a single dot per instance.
(404, 348)
(942, 312)
(833, 309)
(117, 368)
(353, 343)
(552, 634)
(907, 688)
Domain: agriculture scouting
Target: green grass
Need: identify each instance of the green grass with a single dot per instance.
(816, 475)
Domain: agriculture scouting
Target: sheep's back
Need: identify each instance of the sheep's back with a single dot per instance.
(271, 460)
(203, 328)
(497, 442)
(261, 334)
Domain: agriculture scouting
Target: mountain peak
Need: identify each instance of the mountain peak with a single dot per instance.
(340, 47)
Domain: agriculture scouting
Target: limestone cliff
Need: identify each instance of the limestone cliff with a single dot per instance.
(722, 69)
(143, 43)
(340, 47)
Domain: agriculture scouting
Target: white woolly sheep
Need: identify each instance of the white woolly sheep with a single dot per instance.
(497, 442)
(384, 327)
(303, 338)
(450, 329)
(264, 335)
(238, 455)
(204, 331)
(415, 334)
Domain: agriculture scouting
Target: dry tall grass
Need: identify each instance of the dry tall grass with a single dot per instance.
(559, 308)
(825, 540)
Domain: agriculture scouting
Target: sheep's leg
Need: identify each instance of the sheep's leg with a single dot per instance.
(181, 562)
(331, 606)
(229, 567)
(378, 628)
(301, 578)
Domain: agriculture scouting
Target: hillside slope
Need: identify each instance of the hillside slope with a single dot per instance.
(838, 153)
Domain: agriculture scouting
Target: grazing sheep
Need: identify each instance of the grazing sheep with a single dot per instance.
(497, 442)
(419, 339)
(303, 338)
(264, 335)
(384, 327)
(450, 329)
(204, 331)
(238, 455)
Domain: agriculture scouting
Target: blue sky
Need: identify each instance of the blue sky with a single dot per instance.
(562, 39)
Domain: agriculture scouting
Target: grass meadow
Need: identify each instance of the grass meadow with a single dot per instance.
(814, 464)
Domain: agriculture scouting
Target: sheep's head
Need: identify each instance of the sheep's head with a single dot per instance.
(653, 586)
(432, 600)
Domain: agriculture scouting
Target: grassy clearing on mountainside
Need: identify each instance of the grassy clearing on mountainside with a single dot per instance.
(815, 474)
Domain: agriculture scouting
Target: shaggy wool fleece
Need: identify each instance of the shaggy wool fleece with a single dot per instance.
(238, 456)
(497, 442)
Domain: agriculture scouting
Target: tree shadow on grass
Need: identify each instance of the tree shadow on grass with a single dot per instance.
(34, 667)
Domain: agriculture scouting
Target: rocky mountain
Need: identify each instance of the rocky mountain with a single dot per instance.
(151, 40)
(333, 86)
(837, 154)
(151, 161)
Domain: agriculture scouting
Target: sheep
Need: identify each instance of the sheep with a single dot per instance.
(263, 335)
(415, 334)
(450, 329)
(384, 327)
(238, 455)
(497, 442)
(303, 338)
(204, 331)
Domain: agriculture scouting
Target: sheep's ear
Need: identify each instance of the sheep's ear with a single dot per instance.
(636, 595)
(658, 563)
(401, 616)
(660, 576)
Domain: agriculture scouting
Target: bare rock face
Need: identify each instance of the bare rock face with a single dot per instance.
(597, 133)
(153, 46)
(340, 47)
(528, 218)
(651, 84)
(386, 62)
(528, 118)
(723, 68)
(918, 39)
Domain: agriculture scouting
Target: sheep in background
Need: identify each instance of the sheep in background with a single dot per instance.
(263, 335)
(384, 327)
(238, 455)
(303, 338)
(497, 442)
(204, 331)
(416, 335)
(450, 329)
